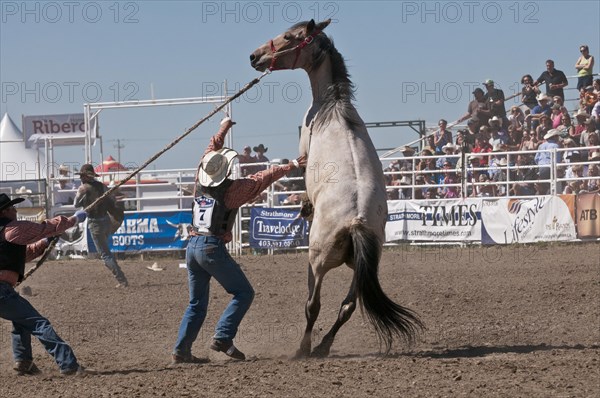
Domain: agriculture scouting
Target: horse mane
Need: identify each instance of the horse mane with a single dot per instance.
(340, 94)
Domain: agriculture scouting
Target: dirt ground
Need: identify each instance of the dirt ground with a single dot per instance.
(502, 322)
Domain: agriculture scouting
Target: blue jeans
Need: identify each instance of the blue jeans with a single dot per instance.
(207, 257)
(100, 231)
(27, 322)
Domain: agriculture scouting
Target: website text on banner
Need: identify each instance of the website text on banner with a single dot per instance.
(277, 228)
(443, 220)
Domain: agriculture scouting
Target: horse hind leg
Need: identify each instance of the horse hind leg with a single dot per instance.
(346, 310)
(311, 310)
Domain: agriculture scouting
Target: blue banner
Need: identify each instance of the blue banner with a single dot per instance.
(277, 228)
(164, 230)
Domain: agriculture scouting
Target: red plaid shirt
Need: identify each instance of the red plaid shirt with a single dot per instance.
(245, 189)
(32, 235)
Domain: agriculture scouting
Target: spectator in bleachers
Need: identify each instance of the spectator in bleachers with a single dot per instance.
(516, 118)
(461, 141)
(596, 86)
(478, 108)
(486, 190)
(555, 115)
(590, 128)
(555, 80)
(543, 128)
(587, 98)
(541, 109)
(441, 137)
(544, 158)
(484, 133)
(260, 157)
(594, 171)
(407, 152)
(593, 139)
(482, 147)
(495, 99)
(581, 116)
(584, 66)
(500, 176)
(471, 131)
(448, 150)
(566, 127)
(529, 92)
(528, 142)
(450, 177)
(498, 134)
(561, 103)
(524, 171)
(244, 159)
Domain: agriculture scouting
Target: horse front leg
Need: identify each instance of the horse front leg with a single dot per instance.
(346, 310)
(312, 308)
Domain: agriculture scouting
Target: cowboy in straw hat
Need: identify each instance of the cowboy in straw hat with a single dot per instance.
(20, 242)
(217, 198)
(100, 224)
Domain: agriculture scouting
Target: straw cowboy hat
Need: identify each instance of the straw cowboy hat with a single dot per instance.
(22, 190)
(6, 202)
(260, 148)
(551, 133)
(88, 170)
(582, 113)
(216, 166)
(155, 267)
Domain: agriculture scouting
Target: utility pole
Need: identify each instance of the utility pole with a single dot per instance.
(119, 146)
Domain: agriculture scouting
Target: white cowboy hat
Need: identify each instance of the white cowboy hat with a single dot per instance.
(542, 97)
(216, 166)
(155, 267)
(22, 190)
(582, 112)
(551, 133)
(595, 155)
(502, 162)
(495, 119)
(449, 146)
(498, 147)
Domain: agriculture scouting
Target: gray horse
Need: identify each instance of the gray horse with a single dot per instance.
(345, 184)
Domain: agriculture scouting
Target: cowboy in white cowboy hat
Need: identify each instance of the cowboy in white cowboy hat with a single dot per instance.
(22, 241)
(217, 198)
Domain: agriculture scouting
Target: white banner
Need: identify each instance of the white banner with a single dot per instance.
(541, 218)
(434, 220)
(67, 129)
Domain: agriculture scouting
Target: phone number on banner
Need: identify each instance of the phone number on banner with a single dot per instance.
(280, 243)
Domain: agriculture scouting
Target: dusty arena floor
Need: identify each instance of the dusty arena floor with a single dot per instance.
(502, 322)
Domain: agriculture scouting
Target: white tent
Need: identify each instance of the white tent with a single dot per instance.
(16, 161)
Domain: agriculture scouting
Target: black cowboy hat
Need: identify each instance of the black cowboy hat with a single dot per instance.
(6, 202)
(260, 148)
(88, 170)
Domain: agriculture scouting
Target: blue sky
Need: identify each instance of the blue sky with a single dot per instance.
(408, 59)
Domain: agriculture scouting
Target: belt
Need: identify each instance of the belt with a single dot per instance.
(198, 233)
(10, 277)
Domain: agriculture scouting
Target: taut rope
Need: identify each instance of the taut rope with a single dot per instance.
(143, 166)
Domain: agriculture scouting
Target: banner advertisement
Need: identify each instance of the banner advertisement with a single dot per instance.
(588, 215)
(165, 230)
(539, 219)
(277, 228)
(63, 130)
(441, 220)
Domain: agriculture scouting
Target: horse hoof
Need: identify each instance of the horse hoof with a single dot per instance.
(320, 352)
(301, 354)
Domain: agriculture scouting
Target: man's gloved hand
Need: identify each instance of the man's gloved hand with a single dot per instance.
(81, 215)
(227, 121)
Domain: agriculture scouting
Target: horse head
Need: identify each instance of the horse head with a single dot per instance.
(286, 50)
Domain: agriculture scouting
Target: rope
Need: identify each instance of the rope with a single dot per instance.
(143, 166)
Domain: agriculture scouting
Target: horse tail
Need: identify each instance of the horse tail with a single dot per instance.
(388, 318)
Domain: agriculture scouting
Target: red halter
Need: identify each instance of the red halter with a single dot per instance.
(308, 40)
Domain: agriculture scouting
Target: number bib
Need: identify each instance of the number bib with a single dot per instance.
(202, 213)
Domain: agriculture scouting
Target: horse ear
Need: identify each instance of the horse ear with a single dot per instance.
(322, 25)
(310, 27)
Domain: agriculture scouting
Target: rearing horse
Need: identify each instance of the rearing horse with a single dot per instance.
(344, 182)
